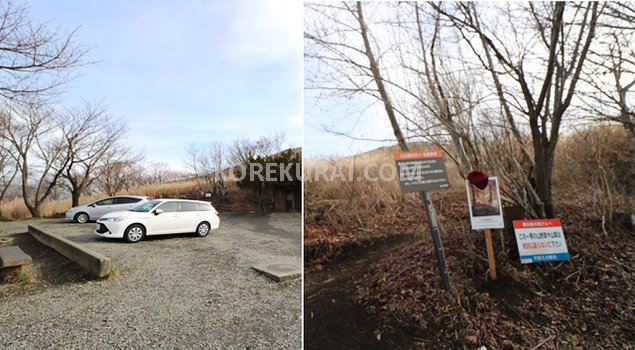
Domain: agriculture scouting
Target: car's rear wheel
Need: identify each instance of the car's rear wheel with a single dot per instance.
(134, 233)
(203, 229)
(82, 218)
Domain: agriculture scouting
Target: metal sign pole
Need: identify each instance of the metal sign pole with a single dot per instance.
(436, 239)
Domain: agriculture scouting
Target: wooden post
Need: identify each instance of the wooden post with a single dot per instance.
(490, 254)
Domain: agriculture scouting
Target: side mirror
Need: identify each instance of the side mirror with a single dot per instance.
(158, 211)
(92, 205)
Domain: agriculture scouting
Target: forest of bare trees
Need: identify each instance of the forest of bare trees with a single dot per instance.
(35, 63)
(496, 85)
(212, 163)
(49, 151)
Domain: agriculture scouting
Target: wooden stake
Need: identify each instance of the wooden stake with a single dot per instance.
(490, 254)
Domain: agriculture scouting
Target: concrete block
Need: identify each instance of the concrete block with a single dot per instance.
(278, 271)
(97, 264)
(13, 256)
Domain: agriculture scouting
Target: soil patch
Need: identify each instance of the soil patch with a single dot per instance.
(586, 303)
(334, 319)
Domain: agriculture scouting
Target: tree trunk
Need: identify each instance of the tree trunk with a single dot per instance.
(75, 194)
(435, 228)
(630, 129)
(34, 209)
(5, 187)
(544, 173)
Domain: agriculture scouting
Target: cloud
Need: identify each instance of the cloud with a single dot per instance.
(267, 30)
(190, 71)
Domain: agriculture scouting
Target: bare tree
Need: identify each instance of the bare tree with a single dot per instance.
(490, 84)
(609, 97)
(624, 14)
(8, 165)
(444, 95)
(428, 98)
(119, 170)
(243, 149)
(207, 163)
(90, 133)
(157, 173)
(611, 76)
(37, 149)
(564, 38)
(358, 55)
(34, 63)
(34, 60)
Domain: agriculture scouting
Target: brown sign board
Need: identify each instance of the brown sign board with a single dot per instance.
(421, 171)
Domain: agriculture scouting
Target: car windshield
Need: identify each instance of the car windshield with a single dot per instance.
(146, 207)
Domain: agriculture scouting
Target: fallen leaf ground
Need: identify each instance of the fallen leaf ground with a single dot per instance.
(387, 290)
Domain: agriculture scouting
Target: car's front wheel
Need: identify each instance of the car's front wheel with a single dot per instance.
(203, 229)
(82, 218)
(134, 233)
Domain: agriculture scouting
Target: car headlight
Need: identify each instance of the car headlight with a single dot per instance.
(111, 219)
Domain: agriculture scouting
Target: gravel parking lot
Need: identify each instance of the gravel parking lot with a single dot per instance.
(172, 292)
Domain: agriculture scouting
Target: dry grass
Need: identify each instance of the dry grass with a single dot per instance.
(360, 202)
(16, 209)
(341, 213)
(167, 190)
(589, 177)
(402, 287)
(594, 174)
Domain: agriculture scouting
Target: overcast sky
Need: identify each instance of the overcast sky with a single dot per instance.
(189, 71)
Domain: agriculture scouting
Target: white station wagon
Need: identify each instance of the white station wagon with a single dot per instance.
(159, 217)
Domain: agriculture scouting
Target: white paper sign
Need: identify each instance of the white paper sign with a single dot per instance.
(485, 205)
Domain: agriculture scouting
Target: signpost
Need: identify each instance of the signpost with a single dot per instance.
(540, 241)
(421, 172)
(483, 198)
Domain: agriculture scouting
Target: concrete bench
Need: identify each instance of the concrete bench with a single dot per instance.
(12, 259)
(97, 264)
(13, 256)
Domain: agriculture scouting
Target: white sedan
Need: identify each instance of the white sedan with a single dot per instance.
(159, 217)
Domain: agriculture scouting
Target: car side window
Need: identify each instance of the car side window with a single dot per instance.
(169, 207)
(203, 207)
(121, 200)
(187, 206)
(126, 200)
(107, 201)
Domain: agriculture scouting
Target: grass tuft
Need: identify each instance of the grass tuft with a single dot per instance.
(114, 273)
(22, 276)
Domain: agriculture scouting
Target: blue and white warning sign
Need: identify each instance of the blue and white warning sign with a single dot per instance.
(540, 241)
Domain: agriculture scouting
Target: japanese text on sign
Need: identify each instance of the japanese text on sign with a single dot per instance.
(540, 240)
(421, 171)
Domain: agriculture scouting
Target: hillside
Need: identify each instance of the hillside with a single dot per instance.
(372, 279)
(238, 200)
